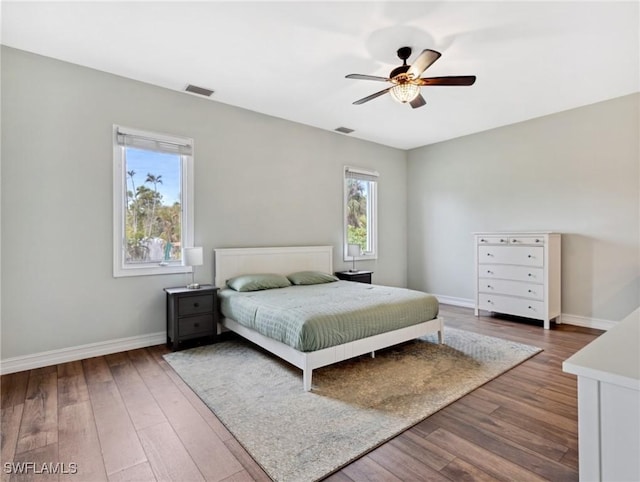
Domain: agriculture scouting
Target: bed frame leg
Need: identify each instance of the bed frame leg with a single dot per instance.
(441, 333)
(306, 379)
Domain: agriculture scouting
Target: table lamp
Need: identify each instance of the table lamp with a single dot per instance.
(353, 250)
(193, 257)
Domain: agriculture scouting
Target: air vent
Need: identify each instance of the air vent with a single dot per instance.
(344, 130)
(194, 89)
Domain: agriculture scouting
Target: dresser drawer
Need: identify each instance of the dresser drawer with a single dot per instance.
(493, 240)
(515, 288)
(517, 273)
(514, 306)
(521, 255)
(195, 326)
(532, 240)
(191, 305)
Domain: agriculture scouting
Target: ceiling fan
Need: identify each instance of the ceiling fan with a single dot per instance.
(406, 78)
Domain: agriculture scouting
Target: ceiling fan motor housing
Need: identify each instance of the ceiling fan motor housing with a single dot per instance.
(399, 70)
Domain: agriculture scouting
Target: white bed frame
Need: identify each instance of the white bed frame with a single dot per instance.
(286, 260)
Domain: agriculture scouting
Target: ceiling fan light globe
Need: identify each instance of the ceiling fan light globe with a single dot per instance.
(405, 92)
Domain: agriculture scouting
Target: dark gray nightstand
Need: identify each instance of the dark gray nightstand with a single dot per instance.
(191, 314)
(358, 276)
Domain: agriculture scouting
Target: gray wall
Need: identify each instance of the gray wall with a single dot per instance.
(576, 172)
(260, 181)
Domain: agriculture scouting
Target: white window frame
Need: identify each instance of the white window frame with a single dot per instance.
(184, 146)
(372, 211)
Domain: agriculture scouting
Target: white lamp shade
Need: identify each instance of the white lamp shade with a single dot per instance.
(193, 256)
(353, 250)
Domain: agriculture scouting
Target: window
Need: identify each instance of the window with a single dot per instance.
(153, 202)
(360, 211)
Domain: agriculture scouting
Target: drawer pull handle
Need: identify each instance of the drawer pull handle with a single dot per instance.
(530, 308)
(529, 274)
(196, 305)
(489, 272)
(537, 240)
(483, 240)
(529, 256)
(503, 240)
(489, 254)
(488, 286)
(196, 325)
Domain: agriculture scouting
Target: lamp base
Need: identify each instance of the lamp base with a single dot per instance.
(193, 286)
(353, 270)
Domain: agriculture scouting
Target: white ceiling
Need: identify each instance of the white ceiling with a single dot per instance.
(289, 59)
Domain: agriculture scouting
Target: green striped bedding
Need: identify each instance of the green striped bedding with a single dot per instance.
(310, 318)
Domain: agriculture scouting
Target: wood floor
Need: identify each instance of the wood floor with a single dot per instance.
(129, 417)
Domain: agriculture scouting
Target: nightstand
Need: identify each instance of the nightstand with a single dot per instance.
(192, 314)
(358, 276)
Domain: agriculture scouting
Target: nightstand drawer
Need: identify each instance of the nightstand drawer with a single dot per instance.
(357, 276)
(195, 326)
(361, 278)
(191, 305)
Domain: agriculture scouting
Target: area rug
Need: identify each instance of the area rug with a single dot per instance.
(354, 406)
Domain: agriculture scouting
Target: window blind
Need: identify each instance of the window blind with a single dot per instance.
(360, 174)
(166, 144)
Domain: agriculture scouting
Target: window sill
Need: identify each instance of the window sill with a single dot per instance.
(150, 271)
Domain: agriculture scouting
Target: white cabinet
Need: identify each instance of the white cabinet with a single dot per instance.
(608, 371)
(518, 274)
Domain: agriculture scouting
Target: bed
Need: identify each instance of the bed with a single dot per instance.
(336, 302)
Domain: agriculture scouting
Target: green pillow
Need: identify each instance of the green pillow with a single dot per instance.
(260, 281)
(311, 278)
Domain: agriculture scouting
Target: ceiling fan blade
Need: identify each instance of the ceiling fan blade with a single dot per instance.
(451, 80)
(367, 77)
(372, 96)
(418, 102)
(424, 60)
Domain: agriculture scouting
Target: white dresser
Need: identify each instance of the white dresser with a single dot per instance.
(518, 274)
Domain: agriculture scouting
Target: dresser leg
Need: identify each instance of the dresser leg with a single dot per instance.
(546, 324)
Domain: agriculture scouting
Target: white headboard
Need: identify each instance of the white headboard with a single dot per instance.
(230, 262)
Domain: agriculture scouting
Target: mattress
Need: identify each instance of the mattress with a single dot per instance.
(313, 317)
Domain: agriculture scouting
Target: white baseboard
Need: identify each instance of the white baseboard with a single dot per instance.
(64, 355)
(576, 320)
(586, 322)
(454, 301)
